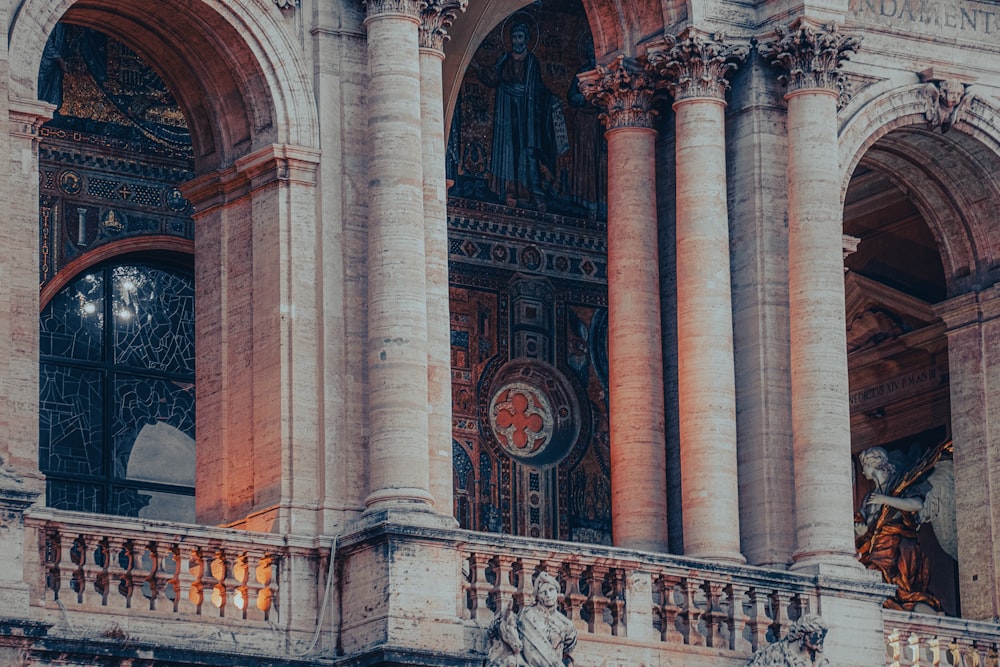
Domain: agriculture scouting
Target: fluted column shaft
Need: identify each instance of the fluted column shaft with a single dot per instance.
(638, 458)
(436, 17)
(695, 67)
(397, 301)
(821, 429)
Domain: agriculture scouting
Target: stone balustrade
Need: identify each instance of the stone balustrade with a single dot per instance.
(668, 602)
(920, 640)
(118, 565)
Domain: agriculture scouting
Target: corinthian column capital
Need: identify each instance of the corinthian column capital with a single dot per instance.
(624, 89)
(410, 9)
(436, 18)
(695, 63)
(810, 54)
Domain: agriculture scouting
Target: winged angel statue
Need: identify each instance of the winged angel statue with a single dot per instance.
(902, 501)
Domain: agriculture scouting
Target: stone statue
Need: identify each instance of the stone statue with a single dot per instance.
(799, 648)
(537, 636)
(945, 99)
(886, 525)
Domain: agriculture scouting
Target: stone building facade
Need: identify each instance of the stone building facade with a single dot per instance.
(329, 326)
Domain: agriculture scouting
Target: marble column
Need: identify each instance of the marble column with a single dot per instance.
(810, 56)
(624, 89)
(436, 17)
(694, 67)
(397, 300)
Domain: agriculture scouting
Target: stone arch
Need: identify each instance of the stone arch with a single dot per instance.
(953, 178)
(617, 28)
(238, 78)
(121, 248)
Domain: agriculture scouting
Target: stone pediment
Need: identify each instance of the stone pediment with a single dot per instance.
(876, 313)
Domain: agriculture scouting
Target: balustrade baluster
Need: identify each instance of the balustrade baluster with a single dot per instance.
(503, 591)
(691, 613)
(128, 581)
(479, 591)
(573, 599)
(220, 570)
(52, 556)
(614, 591)
(241, 591)
(116, 572)
(596, 603)
(102, 562)
(196, 568)
(669, 589)
(77, 556)
(779, 616)
(264, 576)
(760, 622)
(149, 557)
(714, 619)
(169, 575)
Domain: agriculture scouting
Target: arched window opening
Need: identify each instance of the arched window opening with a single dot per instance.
(117, 358)
(116, 393)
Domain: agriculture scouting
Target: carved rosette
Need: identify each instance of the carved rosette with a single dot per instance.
(624, 89)
(436, 18)
(408, 8)
(695, 63)
(811, 55)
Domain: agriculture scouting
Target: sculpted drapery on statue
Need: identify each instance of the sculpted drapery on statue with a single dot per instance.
(801, 647)
(537, 636)
(886, 525)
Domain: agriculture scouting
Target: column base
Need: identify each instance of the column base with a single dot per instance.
(733, 557)
(399, 498)
(828, 563)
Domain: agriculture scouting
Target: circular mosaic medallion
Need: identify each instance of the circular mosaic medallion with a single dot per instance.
(532, 412)
(69, 181)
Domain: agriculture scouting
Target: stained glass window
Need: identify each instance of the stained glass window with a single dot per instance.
(116, 395)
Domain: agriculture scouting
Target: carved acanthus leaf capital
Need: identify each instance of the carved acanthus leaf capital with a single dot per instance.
(436, 18)
(286, 4)
(810, 55)
(408, 8)
(696, 63)
(624, 89)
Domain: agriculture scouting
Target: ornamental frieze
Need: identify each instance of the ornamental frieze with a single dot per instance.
(696, 63)
(624, 89)
(810, 55)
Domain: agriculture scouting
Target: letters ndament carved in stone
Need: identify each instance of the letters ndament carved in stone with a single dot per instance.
(810, 55)
(624, 89)
(695, 63)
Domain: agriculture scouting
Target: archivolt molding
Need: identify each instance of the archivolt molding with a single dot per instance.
(956, 186)
(269, 52)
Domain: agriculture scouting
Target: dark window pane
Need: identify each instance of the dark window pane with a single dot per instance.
(71, 430)
(153, 313)
(75, 496)
(163, 412)
(72, 322)
(153, 504)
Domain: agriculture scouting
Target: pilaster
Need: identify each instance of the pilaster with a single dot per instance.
(973, 327)
(436, 17)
